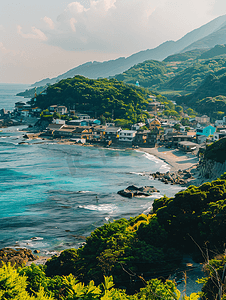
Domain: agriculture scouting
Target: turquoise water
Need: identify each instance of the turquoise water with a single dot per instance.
(60, 193)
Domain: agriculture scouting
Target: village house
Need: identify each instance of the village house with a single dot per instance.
(112, 134)
(187, 146)
(52, 109)
(174, 140)
(208, 130)
(60, 109)
(154, 123)
(79, 122)
(219, 134)
(36, 111)
(127, 136)
(200, 139)
(137, 126)
(82, 116)
(140, 138)
(203, 119)
(19, 106)
(220, 122)
(154, 137)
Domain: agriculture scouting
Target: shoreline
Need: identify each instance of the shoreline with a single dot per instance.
(176, 159)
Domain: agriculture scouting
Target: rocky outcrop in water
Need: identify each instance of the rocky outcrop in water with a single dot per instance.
(17, 257)
(179, 177)
(133, 191)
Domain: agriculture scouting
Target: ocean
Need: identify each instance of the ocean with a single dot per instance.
(8, 93)
(53, 195)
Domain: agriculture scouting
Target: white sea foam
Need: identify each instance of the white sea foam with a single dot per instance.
(36, 238)
(102, 207)
(153, 196)
(83, 192)
(137, 173)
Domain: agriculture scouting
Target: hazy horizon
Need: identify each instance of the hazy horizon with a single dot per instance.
(46, 39)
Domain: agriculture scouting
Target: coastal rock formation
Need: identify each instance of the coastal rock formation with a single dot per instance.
(178, 177)
(16, 257)
(210, 169)
(133, 191)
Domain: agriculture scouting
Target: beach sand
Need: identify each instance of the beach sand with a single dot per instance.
(177, 159)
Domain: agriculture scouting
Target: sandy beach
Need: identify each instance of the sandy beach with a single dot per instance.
(177, 159)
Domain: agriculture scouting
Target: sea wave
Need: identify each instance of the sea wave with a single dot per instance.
(102, 207)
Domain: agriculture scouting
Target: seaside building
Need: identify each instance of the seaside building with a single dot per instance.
(127, 136)
(112, 134)
(140, 138)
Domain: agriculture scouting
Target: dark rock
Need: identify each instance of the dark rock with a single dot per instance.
(37, 251)
(25, 136)
(17, 257)
(132, 191)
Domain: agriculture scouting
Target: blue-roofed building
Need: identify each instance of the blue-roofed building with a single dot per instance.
(208, 130)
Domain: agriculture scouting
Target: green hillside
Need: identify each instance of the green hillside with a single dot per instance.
(210, 97)
(150, 73)
(186, 75)
(188, 55)
(215, 51)
(192, 77)
(98, 97)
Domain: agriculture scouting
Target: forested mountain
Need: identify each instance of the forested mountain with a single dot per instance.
(98, 97)
(186, 75)
(210, 97)
(113, 67)
(215, 38)
(215, 51)
(150, 73)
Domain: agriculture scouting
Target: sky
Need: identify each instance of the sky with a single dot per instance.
(45, 38)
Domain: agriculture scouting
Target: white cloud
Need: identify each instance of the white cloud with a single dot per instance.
(3, 48)
(37, 33)
(49, 22)
(72, 23)
(126, 26)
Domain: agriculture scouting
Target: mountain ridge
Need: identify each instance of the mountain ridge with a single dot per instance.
(112, 67)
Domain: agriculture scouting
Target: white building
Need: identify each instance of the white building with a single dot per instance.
(59, 121)
(127, 135)
(219, 135)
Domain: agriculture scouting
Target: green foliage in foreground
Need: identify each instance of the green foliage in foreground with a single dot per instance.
(30, 283)
(214, 284)
(150, 246)
(98, 97)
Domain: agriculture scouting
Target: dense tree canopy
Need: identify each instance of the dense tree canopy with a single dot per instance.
(98, 97)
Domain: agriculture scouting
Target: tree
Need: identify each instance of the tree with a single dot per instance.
(179, 109)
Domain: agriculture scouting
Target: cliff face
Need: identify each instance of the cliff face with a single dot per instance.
(210, 169)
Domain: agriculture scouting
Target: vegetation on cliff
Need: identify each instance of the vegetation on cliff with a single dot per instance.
(150, 246)
(216, 151)
(132, 251)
